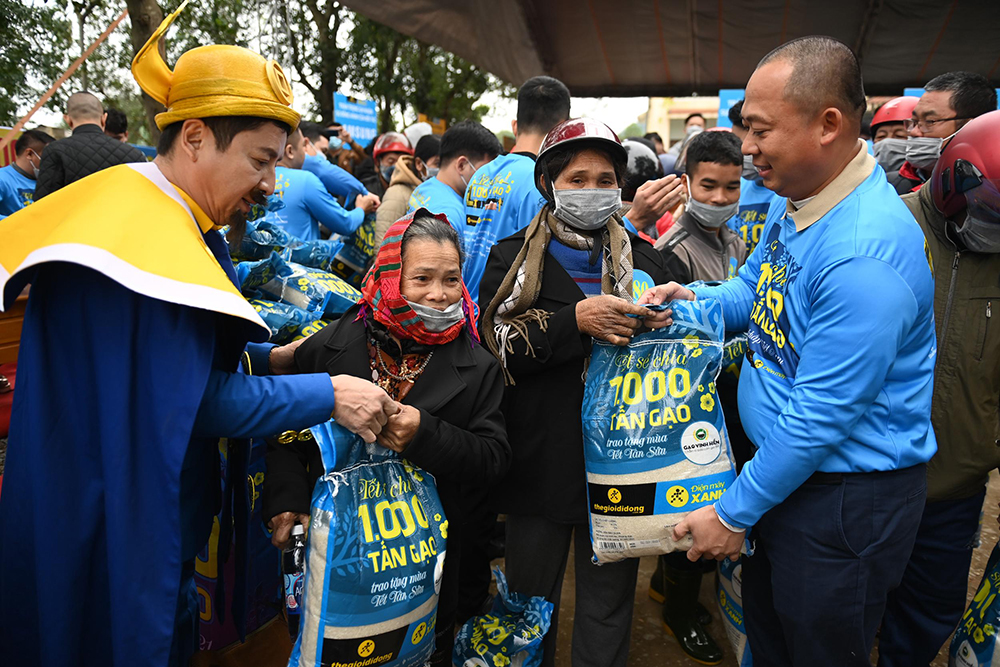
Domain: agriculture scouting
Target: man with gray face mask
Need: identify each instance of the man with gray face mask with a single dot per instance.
(950, 100)
(960, 216)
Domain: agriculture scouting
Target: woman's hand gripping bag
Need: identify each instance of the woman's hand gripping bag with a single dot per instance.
(509, 636)
(975, 641)
(374, 559)
(655, 442)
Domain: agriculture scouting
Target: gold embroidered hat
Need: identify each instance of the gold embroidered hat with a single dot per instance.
(214, 80)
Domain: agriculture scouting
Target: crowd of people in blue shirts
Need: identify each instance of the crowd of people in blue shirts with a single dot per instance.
(712, 212)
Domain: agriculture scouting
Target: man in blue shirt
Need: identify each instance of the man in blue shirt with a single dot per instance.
(465, 147)
(835, 391)
(337, 181)
(502, 198)
(307, 202)
(17, 179)
(755, 199)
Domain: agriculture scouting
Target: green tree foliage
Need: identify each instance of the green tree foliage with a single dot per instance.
(324, 46)
(34, 46)
(406, 77)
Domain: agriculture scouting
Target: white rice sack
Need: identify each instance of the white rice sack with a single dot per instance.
(729, 589)
(374, 559)
(655, 441)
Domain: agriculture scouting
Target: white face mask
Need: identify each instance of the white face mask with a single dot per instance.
(587, 209)
(923, 152)
(890, 153)
(693, 129)
(710, 215)
(438, 320)
(749, 171)
(432, 172)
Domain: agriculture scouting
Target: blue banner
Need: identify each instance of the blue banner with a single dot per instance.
(357, 116)
(727, 98)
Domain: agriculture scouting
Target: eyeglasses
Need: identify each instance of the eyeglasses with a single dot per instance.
(928, 125)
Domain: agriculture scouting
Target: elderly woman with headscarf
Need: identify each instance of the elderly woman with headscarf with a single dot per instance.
(414, 335)
(547, 291)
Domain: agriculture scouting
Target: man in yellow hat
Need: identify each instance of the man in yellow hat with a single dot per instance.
(126, 380)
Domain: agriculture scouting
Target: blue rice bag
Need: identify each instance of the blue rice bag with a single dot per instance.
(251, 275)
(975, 642)
(655, 440)
(312, 290)
(318, 254)
(355, 257)
(511, 634)
(729, 591)
(287, 323)
(375, 556)
(261, 238)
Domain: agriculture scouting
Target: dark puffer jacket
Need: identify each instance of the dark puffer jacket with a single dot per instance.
(89, 150)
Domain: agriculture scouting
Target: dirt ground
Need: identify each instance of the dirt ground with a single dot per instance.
(650, 647)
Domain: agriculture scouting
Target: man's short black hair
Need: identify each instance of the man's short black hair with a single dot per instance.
(720, 147)
(825, 73)
(33, 139)
(116, 122)
(972, 94)
(694, 115)
(468, 139)
(428, 147)
(736, 114)
(223, 128)
(542, 103)
(653, 136)
(312, 131)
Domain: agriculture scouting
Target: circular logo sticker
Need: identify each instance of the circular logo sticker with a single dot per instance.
(701, 443)
(614, 495)
(738, 581)
(641, 281)
(418, 633)
(677, 496)
(367, 648)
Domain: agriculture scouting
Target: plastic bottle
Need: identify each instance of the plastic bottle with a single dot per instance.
(293, 561)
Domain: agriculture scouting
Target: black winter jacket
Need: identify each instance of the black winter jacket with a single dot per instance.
(543, 409)
(87, 151)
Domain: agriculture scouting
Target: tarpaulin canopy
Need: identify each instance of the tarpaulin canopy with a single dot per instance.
(664, 47)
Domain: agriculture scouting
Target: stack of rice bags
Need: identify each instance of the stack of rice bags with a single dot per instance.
(289, 282)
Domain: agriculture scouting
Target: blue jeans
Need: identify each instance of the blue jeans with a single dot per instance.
(925, 609)
(825, 561)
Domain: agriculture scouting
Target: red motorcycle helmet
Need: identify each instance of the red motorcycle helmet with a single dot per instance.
(896, 110)
(392, 142)
(577, 134)
(967, 175)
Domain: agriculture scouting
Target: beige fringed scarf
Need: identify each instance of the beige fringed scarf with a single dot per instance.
(511, 309)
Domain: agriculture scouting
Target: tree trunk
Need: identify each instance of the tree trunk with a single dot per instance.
(146, 16)
(80, 20)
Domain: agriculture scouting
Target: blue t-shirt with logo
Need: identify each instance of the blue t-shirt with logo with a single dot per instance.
(308, 205)
(501, 200)
(755, 200)
(439, 197)
(16, 190)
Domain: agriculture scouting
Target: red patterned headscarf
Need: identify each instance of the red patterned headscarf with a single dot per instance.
(380, 293)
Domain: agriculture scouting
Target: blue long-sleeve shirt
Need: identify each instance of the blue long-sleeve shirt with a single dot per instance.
(755, 200)
(337, 181)
(308, 205)
(838, 300)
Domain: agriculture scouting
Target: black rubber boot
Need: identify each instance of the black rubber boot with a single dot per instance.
(680, 616)
(656, 588)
